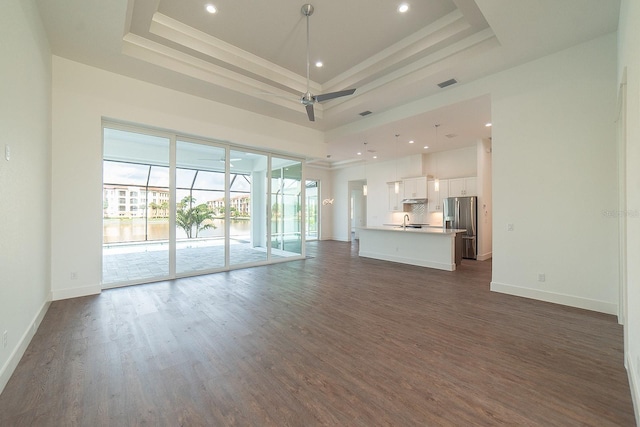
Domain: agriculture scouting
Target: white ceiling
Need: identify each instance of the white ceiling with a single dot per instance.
(252, 55)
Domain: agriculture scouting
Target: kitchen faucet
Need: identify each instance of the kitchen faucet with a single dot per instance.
(405, 220)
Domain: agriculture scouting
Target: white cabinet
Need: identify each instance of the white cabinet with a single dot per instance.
(395, 199)
(460, 187)
(415, 188)
(435, 198)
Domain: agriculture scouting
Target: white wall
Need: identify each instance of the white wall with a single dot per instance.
(458, 163)
(629, 60)
(25, 115)
(554, 178)
(485, 203)
(82, 97)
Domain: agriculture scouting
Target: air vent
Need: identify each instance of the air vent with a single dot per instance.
(447, 83)
(451, 135)
(365, 113)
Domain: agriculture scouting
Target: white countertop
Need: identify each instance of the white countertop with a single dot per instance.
(423, 230)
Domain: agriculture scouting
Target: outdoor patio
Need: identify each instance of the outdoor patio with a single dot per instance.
(136, 262)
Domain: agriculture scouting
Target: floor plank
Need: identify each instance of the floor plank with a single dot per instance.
(331, 340)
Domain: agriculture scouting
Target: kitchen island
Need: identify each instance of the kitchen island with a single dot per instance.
(432, 247)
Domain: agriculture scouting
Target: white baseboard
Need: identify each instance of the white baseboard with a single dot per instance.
(484, 257)
(634, 383)
(76, 292)
(12, 362)
(570, 300)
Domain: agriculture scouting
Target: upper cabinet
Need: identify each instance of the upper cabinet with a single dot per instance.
(434, 202)
(415, 188)
(461, 187)
(395, 199)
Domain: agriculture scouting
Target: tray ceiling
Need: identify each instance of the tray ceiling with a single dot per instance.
(252, 55)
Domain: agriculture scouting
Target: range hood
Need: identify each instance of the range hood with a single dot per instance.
(414, 201)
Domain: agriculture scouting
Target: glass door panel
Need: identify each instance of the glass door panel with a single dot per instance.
(135, 243)
(200, 195)
(247, 207)
(286, 207)
(312, 222)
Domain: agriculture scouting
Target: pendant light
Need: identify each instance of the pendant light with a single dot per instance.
(436, 181)
(364, 187)
(396, 184)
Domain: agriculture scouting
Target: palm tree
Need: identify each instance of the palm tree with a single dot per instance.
(202, 213)
(184, 220)
(187, 217)
(164, 206)
(154, 209)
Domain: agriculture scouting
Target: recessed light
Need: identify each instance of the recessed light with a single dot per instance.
(403, 8)
(319, 64)
(426, 147)
(359, 153)
(488, 125)
(211, 8)
(411, 142)
(375, 157)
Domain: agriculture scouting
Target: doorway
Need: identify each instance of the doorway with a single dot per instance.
(357, 209)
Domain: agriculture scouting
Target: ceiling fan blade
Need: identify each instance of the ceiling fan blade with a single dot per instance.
(310, 113)
(332, 95)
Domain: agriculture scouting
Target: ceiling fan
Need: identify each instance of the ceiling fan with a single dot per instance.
(308, 99)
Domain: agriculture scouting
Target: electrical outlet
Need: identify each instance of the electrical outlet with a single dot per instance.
(74, 275)
(541, 277)
(4, 339)
(509, 227)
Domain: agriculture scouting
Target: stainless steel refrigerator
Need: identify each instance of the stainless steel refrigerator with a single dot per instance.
(462, 212)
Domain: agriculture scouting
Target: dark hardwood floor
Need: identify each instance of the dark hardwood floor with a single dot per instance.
(332, 340)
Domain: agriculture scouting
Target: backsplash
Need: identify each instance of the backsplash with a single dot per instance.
(418, 211)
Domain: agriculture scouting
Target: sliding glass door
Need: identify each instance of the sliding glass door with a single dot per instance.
(174, 207)
(312, 223)
(199, 218)
(247, 208)
(286, 207)
(135, 209)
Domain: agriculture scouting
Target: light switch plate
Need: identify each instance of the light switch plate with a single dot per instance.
(7, 152)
